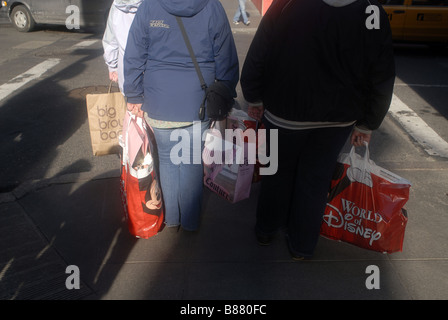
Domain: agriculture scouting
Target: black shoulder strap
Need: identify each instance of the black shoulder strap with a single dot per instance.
(190, 49)
(196, 65)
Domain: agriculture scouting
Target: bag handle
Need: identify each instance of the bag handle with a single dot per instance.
(196, 65)
(140, 125)
(359, 170)
(366, 157)
(110, 86)
(124, 141)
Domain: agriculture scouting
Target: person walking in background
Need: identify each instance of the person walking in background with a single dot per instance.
(121, 15)
(161, 83)
(241, 12)
(317, 71)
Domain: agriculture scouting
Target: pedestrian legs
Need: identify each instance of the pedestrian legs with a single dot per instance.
(241, 12)
(182, 183)
(295, 197)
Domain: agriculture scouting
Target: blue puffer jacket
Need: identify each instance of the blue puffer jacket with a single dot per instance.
(158, 69)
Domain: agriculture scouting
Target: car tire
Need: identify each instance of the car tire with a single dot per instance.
(21, 19)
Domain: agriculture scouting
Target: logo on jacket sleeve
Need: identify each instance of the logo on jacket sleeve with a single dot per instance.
(158, 24)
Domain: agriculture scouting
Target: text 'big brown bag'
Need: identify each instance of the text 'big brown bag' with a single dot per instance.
(105, 113)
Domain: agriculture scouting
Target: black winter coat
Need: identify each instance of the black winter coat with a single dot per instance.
(310, 61)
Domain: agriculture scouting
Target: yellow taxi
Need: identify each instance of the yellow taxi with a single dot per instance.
(418, 20)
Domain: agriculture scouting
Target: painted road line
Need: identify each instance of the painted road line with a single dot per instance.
(35, 72)
(431, 142)
(83, 44)
(35, 44)
(421, 85)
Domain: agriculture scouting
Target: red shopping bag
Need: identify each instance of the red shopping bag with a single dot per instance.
(139, 185)
(366, 205)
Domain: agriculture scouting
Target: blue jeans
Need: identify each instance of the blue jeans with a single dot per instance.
(241, 11)
(181, 183)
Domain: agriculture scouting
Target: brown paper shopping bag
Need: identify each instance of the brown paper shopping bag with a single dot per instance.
(105, 112)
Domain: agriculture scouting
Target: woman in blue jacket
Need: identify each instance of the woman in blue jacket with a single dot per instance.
(162, 85)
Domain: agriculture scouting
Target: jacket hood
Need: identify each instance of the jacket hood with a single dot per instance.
(128, 6)
(338, 3)
(183, 8)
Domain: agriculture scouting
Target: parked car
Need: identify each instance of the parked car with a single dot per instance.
(25, 14)
(418, 20)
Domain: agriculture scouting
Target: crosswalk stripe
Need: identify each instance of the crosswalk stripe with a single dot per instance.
(431, 142)
(35, 72)
(83, 44)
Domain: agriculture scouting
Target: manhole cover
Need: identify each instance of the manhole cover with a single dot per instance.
(80, 93)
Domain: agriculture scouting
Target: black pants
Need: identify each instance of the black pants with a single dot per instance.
(295, 197)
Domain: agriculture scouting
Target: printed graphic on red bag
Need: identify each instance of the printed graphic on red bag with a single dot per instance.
(366, 208)
(141, 195)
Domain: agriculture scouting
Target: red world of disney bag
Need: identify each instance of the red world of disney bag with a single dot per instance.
(365, 205)
(139, 185)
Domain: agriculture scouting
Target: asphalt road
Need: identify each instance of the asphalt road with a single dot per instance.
(43, 122)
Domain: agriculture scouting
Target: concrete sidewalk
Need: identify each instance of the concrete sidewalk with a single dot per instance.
(77, 220)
